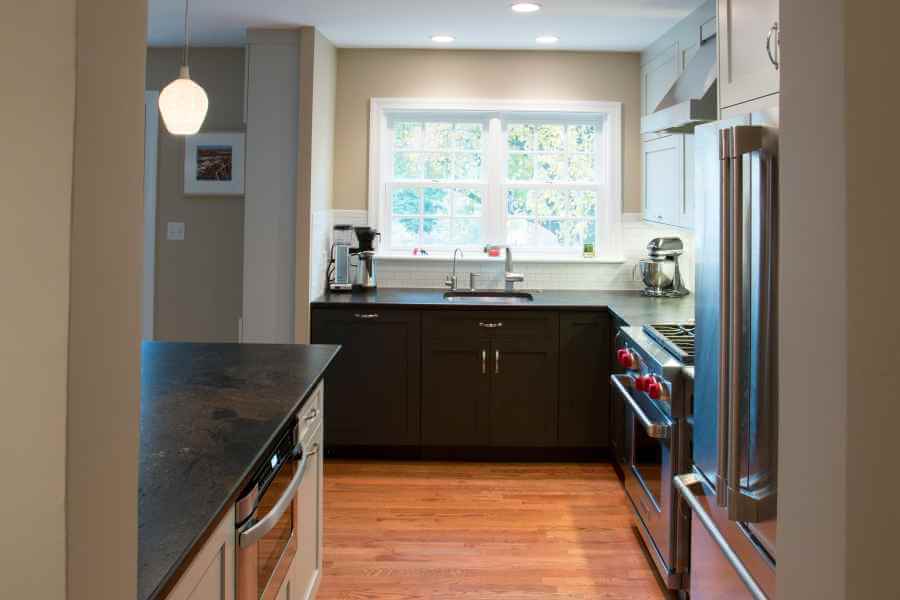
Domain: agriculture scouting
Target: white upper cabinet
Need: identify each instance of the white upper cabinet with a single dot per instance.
(663, 184)
(657, 76)
(748, 50)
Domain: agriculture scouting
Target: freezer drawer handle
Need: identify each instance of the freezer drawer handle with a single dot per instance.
(258, 530)
(683, 484)
(366, 316)
(657, 431)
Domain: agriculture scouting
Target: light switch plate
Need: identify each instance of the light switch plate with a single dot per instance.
(175, 231)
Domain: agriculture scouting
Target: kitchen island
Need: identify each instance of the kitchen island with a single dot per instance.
(209, 414)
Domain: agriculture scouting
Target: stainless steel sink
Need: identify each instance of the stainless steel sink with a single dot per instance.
(489, 297)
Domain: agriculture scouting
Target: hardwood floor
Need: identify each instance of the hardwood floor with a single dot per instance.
(440, 531)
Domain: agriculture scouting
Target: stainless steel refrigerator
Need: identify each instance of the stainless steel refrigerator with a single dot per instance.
(730, 495)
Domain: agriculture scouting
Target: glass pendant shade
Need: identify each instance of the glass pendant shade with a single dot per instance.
(183, 105)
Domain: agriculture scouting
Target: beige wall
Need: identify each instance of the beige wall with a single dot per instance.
(318, 85)
(364, 74)
(813, 307)
(840, 340)
(38, 104)
(105, 324)
(199, 279)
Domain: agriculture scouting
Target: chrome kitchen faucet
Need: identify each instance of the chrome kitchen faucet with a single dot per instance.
(510, 278)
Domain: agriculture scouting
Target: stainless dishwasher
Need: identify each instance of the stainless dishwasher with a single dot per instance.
(266, 518)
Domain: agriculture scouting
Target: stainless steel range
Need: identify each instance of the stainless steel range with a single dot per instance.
(677, 338)
(656, 441)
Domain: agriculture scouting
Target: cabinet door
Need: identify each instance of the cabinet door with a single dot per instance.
(657, 77)
(210, 576)
(456, 379)
(617, 405)
(308, 562)
(373, 385)
(745, 69)
(524, 381)
(663, 189)
(584, 379)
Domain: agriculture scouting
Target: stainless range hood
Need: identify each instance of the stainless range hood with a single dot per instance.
(691, 100)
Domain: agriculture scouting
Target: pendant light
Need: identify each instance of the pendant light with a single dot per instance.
(183, 103)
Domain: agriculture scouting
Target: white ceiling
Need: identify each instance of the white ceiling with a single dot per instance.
(623, 25)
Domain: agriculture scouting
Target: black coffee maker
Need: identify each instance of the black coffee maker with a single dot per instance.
(367, 237)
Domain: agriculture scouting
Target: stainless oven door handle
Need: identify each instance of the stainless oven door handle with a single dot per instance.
(261, 528)
(657, 431)
(683, 484)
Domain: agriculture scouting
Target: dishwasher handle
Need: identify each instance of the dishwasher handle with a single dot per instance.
(255, 532)
(657, 431)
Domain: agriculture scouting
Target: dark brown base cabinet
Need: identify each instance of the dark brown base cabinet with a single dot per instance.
(449, 380)
(584, 379)
(489, 378)
(373, 386)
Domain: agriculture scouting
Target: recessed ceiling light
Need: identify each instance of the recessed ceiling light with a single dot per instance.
(443, 39)
(525, 7)
(547, 39)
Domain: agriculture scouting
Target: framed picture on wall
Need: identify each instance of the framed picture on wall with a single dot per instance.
(214, 164)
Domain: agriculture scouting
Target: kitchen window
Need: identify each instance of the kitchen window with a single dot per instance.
(544, 179)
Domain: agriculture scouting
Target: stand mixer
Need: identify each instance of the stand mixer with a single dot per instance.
(660, 272)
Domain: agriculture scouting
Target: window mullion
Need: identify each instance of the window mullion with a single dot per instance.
(495, 231)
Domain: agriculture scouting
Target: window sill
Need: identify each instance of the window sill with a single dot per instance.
(517, 259)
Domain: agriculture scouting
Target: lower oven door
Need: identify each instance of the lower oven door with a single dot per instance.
(648, 476)
(267, 544)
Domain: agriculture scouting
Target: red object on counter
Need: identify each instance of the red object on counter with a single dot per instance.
(494, 252)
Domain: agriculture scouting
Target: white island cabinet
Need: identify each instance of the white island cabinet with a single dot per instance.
(748, 50)
(308, 562)
(210, 575)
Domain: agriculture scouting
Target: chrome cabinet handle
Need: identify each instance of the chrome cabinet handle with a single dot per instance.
(252, 534)
(773, 33)
(488, 325)
(684, 483)
(367, 315)
(657, 431)
(312, 415)
(484, 362)
(314, 450)
(496, 362)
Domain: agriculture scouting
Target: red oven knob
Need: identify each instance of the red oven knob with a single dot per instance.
(640, 383)
(654, 389)
(625, 358)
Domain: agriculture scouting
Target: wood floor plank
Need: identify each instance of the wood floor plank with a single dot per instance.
(473, 531)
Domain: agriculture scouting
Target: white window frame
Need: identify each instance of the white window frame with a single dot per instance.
(609, 210)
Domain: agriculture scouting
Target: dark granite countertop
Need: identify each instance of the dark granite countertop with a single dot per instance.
(209, 412)
(629, 306)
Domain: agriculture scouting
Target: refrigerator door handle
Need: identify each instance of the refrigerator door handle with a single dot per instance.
(684, 483)
(726, 176)
(745, 139)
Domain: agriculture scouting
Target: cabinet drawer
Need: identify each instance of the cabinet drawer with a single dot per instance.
(464, 329)
(361, 315)
(311, 416)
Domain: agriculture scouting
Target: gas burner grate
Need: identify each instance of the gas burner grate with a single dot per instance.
(677, 338)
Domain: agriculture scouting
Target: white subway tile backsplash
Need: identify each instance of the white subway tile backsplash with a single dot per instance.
(636, 233)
